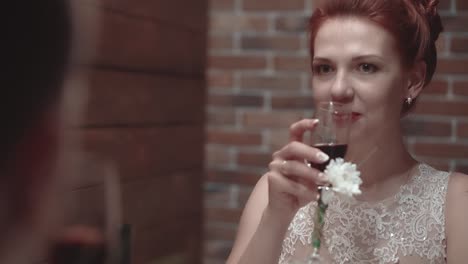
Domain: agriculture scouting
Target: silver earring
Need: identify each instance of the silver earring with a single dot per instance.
(409, 100)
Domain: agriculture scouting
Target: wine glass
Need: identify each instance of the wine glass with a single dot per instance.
(331, 136)
(92, 219)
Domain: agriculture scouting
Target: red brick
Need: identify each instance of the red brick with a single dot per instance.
(459, 44)
(454, 23)
(244, 194)
(220, 42)
(292, 102)
(218, 156)
(289, 63)
(239, 62)
(427, 128)
(220, 79)
(235, 100)
(436, 87)
(221, 5)
(462, 130)
(439, 107)
(441, 150)
(278, 138)
(270, 83)
(452, 66)
(237, 176)
(218, 117)
(218, 194)
(216, 251)
(254, 159)
(441, 43)
(220, 232)
(228, 23)
(292, 23)
(274, 119)
(223, 215)
(273, 5)
(216, 136)
(268, 43)
(460, 88)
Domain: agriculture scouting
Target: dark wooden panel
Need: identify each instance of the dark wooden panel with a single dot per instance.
(131, 44)
(134, 99)
(156, 201)
(177, 242)
(148, 152)
(166, 215)
(190, 15)
(86, 206)
(146, 113)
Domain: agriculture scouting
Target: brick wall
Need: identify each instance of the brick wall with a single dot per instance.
(146, 104)
(259, 84)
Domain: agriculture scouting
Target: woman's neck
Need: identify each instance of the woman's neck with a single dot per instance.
(385, 166)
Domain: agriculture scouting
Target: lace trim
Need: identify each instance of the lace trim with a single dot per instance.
(411, 223)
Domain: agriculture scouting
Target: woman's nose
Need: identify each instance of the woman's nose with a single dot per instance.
(341, 90)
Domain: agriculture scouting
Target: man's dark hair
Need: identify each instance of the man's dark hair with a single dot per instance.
(35, 50)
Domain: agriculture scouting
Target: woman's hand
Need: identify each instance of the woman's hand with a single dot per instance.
(289, 185)
(291, 182)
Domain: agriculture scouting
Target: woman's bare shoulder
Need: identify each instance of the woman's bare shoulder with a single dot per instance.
(250, 218)
(456, 214)
(458, 183)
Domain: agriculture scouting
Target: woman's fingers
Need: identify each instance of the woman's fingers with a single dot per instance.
(298, 171)
(297, 130)
(291, 181)
(283, 185)
(300, 151)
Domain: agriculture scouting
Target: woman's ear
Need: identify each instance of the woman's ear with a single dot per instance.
(417, 80)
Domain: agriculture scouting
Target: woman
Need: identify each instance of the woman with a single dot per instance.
(375, 56)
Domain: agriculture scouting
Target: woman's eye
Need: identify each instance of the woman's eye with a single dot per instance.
(323, 69)
(367, 68)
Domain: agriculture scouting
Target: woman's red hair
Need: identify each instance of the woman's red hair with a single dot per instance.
(415, 24)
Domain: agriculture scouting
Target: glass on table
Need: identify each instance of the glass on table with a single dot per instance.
(92, 219)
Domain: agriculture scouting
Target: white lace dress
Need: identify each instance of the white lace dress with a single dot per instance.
(406, 228)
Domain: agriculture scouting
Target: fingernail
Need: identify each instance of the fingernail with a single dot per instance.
(322, 156)
(322, 176)
(314, 122)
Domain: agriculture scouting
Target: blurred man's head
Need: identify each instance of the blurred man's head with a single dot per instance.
(35, 53)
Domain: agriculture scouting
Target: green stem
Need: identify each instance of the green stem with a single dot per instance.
(319, 222)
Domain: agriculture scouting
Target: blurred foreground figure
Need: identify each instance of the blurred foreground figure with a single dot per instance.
(38, 102)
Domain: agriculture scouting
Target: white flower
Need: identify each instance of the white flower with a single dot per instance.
(326, 195)
(344, 177)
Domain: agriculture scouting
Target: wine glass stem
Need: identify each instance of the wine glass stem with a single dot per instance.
(319, 223)
(314, 258)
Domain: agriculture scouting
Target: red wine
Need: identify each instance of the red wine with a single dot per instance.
(333, 151)
(79, 245)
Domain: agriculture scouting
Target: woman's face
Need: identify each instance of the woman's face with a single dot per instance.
(356, 62)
